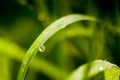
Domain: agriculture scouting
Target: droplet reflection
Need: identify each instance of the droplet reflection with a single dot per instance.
(101, 68)
(42, 48)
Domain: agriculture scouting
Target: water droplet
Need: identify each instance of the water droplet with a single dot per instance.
(101, 68)
(42, 48)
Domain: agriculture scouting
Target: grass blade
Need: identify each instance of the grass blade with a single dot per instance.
(44, 36)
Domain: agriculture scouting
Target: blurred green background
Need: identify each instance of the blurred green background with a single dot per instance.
(21, 21)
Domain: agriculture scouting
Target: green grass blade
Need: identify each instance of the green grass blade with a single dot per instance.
(112, 73)
(93, 69)
(12, 51)
(44, 36)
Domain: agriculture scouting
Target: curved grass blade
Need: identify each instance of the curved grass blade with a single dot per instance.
(112, 73)
(95, 68)
(15, 52)
(45, 35)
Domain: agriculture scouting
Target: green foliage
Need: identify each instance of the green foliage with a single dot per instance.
(88, 49)
(44, 36)
(89, 70)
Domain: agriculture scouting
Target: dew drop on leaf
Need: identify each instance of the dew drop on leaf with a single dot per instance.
(101, 68)
(42, 48)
